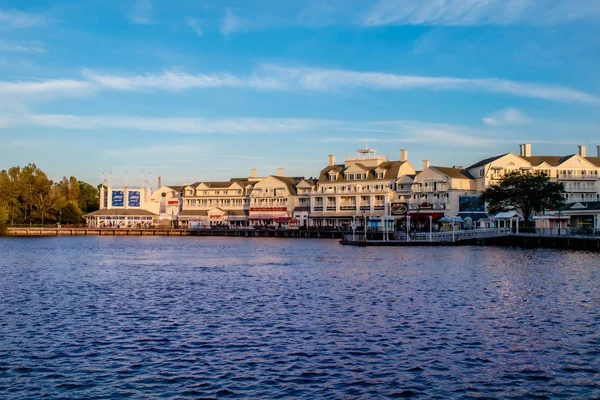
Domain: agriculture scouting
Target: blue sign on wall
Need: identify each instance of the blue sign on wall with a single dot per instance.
(118, 198)
(470, 203)
(133, 199)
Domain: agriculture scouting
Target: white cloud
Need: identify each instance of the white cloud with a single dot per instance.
(179, 125)
(506, 117)
(480, 12)
(19, 19)
(284, 78)
(52, 87)
(195, 25)
(328, 79)
(141, 12)
(232, 23)
(22, 47)
(279, 78)
(175, 81)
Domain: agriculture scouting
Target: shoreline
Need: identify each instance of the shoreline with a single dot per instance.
(374, 239)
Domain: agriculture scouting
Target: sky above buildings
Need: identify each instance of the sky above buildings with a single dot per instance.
(208, 89)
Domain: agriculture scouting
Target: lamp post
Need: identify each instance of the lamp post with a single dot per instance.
(453, 220)
(408, 228)
(430, 221)
(559, 221)
(365, 225)
(354, 228)
(59, 218)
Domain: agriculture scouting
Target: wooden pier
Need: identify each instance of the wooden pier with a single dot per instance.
(285, 233)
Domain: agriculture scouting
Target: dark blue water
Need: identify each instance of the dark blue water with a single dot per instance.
(146, 317)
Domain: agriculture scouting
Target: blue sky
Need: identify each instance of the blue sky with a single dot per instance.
(206, 90)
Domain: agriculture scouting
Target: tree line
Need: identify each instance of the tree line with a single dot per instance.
(28, 196)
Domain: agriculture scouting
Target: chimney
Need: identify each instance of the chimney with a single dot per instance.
(186, 183)
(597, 151)
(581, 151)
(403, 155)
(425, 164)
(527, 148)
(331, 160)
(522, 150)
(279, 171)
(159, 182)
(253, 173)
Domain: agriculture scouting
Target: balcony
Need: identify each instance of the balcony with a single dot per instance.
(580, 189)
(318, 208)
(348, 208)
(331, 208)
(588, 177)
(365, 207)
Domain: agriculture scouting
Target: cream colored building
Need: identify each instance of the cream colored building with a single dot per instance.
(577, 172)
(216, 204)
(434, 192)
(274, 199)
(362, 187)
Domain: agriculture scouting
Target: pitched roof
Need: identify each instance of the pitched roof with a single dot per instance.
(290, 182)
(487, 161)
(554, 161)
(594, 160)
(391, 171)
(454, 172)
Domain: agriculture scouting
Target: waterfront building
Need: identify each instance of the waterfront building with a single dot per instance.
(437, 192)
(124, 206)
(577, 172)
(361, 189)
(274, 199)
(216, 204)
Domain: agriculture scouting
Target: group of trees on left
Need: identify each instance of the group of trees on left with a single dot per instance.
(28, 196)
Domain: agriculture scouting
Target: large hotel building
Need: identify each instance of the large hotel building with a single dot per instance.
(365, 188)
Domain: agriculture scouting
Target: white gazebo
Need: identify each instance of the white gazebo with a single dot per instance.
(505, 220)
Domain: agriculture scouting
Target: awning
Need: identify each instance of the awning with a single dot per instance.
(426, 215)
(282, 220)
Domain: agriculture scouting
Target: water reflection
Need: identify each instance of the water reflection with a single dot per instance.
(263, 318)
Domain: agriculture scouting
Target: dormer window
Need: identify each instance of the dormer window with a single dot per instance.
(379, 174)
(332, 177)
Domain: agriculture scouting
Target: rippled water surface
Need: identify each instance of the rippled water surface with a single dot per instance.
(159, 317)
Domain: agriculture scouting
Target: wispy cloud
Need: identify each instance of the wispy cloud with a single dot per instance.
(52, 87)
(280, 78)
(506, 117)
(285, 78)
(175, 81)
(21, 47)
(328, 79)
(19, 19)
(178, 125)
(480, 12)
(232, 23)
(195, 25)
(141, 13)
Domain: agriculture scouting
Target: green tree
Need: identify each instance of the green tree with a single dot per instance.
(88, 197)
(527, 193)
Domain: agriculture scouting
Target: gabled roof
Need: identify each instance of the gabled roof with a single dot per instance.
(553, 161)
(176, 188)
(487, 161)
(594, 160)
(290, 183)
(391, 169)
(582, 205)
(454, 172)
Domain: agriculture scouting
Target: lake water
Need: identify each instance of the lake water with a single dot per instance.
(160, 317)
